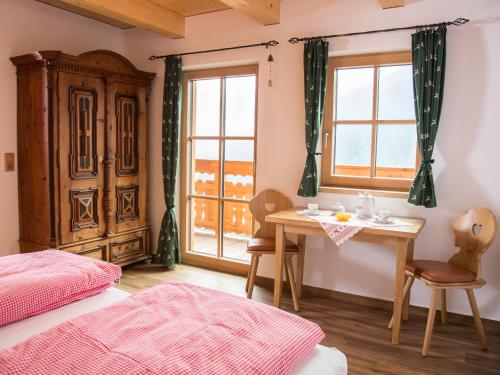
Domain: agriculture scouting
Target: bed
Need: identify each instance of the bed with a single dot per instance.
(322, 360)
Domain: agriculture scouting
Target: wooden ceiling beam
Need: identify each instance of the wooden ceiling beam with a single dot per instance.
(140, 13)
(267, 12)
(386, 4)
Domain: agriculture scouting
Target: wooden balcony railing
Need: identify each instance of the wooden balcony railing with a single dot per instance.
(389, 172)
(238, 183)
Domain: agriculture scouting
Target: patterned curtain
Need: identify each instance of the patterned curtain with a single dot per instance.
(168, 243)
(429, 60)
(315, 68)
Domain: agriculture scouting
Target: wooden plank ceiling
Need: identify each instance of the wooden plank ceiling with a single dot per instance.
(386, 4)
(167, 17)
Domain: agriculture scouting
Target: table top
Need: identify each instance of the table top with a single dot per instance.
(292, 218)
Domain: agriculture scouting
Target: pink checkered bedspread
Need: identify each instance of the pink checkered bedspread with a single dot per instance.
(173, 328)
(34, 283)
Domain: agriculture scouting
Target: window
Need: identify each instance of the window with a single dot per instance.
(369, 132)
(218, 165)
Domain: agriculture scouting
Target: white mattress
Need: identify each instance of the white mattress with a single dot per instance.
(322, 360)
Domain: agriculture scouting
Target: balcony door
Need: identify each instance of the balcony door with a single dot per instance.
(218, 166)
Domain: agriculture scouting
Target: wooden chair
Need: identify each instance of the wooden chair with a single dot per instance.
(475, 230)
(263, 242)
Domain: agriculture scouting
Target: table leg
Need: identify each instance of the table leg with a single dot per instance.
(301, 243)
(279, 263)
(406, 303)
(401, 253)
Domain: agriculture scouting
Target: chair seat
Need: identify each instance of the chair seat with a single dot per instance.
(268, 245)
(440, 272)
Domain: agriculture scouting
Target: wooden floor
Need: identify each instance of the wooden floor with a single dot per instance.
(359, 331)
(233, 248)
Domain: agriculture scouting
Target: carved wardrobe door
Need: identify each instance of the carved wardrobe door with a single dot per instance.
(128, 139)
(81, 151)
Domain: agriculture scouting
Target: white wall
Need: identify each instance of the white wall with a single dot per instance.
(28, 26)
(467, 150)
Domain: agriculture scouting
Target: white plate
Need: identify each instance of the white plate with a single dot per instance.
(315, 213)
(387, 220)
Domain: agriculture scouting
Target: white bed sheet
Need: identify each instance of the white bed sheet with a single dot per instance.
(322, 361)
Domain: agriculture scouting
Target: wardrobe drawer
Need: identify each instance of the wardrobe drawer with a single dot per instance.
(92, 250)
(127, 247)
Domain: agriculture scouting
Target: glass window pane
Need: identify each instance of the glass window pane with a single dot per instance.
(352, 150)
(238, 169)
(240, 106)
(354, 93)
(396, 151)
(206, 167)
(237, 231)
(204, 226)
(206, 107)
(395, 98)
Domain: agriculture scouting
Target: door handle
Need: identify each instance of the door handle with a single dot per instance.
(327, 136)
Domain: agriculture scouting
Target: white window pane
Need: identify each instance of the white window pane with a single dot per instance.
(240, 106)
(238, 169)
(206, 167)
(353, 149)
(395, 100)
(204, 226)
(237, 231)
(396, 151)
(354, 93)
(206, 107)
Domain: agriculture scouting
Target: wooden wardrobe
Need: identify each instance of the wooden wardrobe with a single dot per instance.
(82, 154)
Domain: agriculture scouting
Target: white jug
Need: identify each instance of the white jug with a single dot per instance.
(366, 205)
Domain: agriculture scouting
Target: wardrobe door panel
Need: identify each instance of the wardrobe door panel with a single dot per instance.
(128, 130)
(81, 153)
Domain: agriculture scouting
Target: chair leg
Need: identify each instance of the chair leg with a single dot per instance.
(249, 272)
(444, 315)
(253, 273)
(406, 291)
(477, 318)
(293, 286)
(430, 322)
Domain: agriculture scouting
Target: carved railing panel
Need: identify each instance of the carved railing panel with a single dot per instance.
(238, 183)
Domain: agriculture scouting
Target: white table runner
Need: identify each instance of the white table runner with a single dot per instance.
(341, 231)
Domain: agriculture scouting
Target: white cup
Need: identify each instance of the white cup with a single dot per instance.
(312, 207)
(384, 214)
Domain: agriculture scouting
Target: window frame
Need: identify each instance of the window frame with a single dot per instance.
(186, 157)
(351, 184)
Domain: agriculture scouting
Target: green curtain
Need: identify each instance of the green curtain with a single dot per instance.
(168, 243)
(429, 60)
(315, 68)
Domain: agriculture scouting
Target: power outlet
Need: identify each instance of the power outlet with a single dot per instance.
(10, 165)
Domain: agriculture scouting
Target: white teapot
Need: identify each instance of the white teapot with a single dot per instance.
(366, 205)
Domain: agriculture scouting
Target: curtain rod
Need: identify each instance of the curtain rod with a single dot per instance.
(270, 43)
(458, 22)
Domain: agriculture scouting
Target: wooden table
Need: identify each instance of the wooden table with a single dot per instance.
(401, 238)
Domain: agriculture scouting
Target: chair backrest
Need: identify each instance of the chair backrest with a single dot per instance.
(475, 231)
(264, 203)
